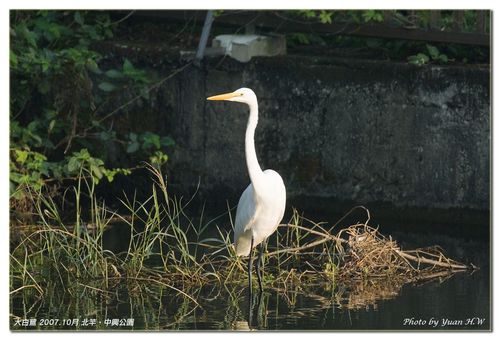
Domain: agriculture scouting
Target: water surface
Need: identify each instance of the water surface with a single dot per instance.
(461, 301)
(458, 302)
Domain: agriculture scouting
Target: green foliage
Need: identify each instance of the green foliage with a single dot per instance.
(436, 55)
(432, 54)
(326, 16)
(322, 16)
(298, 39)
(147, 141)
(415, 52)
(158, 158)
(82, 162)
(118, 79)
(372, 15)
(307, 13)
(27, 170)
(419, 59)
(59, 97)
(217, 13)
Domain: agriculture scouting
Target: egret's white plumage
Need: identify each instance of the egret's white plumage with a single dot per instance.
(259, 213)
(262, 204)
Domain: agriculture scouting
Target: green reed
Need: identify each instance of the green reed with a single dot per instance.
(166, 246)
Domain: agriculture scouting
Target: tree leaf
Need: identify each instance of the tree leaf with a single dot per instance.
(433, 51)
(110, 174)
(107, 87)
(325, 17)
(127, 66)
(443, 58)
(93, 67)
(423, 57)
(113, 73)
(78, 18)
(52, 124)
(21, 156)
(13, 59)
(96, 171)
(104, 136)
(419, 59)
(73, 164)
(133, 147)
(45, 65)
(167, 141)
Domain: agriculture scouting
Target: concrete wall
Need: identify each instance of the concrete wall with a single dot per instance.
(347, 130)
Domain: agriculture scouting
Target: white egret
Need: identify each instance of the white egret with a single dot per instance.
(262, 204)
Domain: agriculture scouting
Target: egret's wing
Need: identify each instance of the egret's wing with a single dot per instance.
(245, 211)
(245, 214)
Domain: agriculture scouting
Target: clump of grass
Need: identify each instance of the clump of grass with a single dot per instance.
(65, 252)
(168, 248)
(161, 249)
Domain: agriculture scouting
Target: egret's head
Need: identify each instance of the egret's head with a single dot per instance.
(243, 95)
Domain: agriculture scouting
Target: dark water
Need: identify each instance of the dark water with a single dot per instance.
(459, 302)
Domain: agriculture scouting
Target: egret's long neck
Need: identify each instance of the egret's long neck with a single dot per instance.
(254, 169)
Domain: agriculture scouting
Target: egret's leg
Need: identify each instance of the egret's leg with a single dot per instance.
(259, 263)
(250, 260)
(250, 310)
(260, 312)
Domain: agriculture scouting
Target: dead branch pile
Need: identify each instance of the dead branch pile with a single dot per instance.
(369, 253)
(363, 252)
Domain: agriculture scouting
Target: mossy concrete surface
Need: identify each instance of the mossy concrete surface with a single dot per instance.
(347, 130)
(350, 130)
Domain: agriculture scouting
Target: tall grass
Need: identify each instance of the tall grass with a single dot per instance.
(161, 246)
(170, 249)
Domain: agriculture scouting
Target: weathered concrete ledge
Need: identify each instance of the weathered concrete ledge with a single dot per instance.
(244, 47)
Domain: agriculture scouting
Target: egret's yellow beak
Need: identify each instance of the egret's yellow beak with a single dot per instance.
(225, 96)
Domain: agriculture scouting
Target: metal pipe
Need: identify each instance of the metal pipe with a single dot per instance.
(204, 36)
